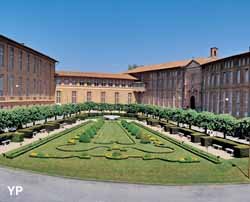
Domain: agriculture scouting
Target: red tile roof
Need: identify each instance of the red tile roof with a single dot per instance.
(96, 75)
(168, 65)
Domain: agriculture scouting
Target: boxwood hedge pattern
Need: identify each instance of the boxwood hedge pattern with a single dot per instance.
(17, 152)
(115, 150)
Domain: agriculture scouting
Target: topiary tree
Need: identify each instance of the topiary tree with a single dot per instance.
(85, 138)
(226, 124)
(205, 120)
(243, 128)
(189, 117)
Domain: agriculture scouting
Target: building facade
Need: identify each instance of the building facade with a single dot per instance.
(80, 87)
(219, 85)
(225, 85)
(26, 75)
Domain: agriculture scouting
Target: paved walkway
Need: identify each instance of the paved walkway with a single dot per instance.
(15, 145)
(41, 188)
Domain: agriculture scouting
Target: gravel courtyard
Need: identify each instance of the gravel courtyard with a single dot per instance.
(40, 188)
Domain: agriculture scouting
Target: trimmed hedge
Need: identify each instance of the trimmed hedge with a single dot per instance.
(17, 137)
(50, 126)
(206, 141)
(17, 152)
(241, 151)
(196, 137)
(152, 122)
(189, 148)
(186, 131)
(6, 136)
(27, 133)
(173, 130)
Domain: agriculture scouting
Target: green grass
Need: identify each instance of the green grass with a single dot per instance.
(133, 170)
(112, 132)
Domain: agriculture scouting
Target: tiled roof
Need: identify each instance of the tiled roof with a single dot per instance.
(168, 65)
(96, 75)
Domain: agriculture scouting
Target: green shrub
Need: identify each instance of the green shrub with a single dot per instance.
(51, 126)
(241, 151)
(85, 138)
(173, 130)
(206, 141)
(196, 137)
(6, 136)
(17, 137)
(186, 131)
(17, 152)
(27, 133)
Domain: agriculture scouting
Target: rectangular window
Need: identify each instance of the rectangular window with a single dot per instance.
(238, 76)
(237, 103)
(28, 62)
(20, 86)
(20, 60)
(27, 87)
(1, 55)
(58, 81)
(89, 96)
(34, 65)
(246, 76)
(129, 98)
(73, 96)
(246, 103)
(224, 102)
(116, 98)
(34, 86)
(230, 77)
(58, 97)
(11, 85)
(11, 57)
(1, 85)
(224, 78)
(230, 102)
(103, 97)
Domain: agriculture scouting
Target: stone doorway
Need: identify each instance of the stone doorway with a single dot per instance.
(192, 102)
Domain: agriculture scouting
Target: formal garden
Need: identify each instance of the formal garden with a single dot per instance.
(126, 149)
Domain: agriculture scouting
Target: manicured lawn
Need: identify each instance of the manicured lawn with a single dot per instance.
(133, 169)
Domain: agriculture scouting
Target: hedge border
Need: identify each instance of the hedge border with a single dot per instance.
(193, 150)
(17, 152)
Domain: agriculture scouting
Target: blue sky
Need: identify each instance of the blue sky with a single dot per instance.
(107, 35)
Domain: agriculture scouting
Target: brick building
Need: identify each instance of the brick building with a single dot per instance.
(220, 85)
(26, 75)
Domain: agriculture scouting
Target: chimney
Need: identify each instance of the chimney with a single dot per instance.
(213, 52)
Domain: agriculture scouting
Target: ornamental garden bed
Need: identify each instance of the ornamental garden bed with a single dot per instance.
(122, 151)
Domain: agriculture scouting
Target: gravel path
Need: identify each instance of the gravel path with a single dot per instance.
(223, 154)
(41, 188)
(15, 145)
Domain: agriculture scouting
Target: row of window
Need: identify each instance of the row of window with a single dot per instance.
(89, 97)
(36, 65)
(223, 103)
(95, 82)
(228, 64)
(227, 78)
(39, 87)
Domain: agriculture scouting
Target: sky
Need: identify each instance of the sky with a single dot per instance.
(108, 35)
